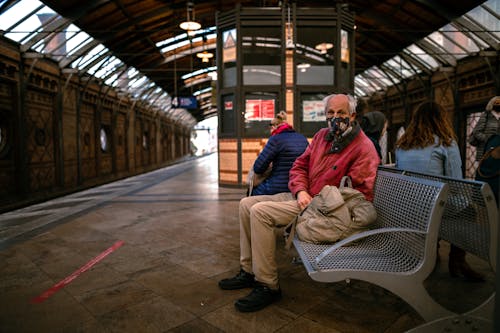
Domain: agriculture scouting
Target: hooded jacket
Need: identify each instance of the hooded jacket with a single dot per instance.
(372, 124)
(318, 166)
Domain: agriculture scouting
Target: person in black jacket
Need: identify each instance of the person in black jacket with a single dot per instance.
(281, 150)
(374, 124)
(489, 165)
(487, 125)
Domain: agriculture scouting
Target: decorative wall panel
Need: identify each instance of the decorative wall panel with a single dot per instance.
(153, 152)
(40, 136)
(120, 142)
(50, 132)
(87, 141)
(69, 137)
(140, 141)
(443, 93)
(7, 144)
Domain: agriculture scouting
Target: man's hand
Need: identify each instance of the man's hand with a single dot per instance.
(303, 199)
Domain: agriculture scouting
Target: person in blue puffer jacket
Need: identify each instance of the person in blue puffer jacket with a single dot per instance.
(281, 150)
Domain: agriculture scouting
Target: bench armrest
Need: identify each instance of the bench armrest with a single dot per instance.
(362, 235)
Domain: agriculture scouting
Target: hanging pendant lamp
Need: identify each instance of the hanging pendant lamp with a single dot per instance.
(190, 24)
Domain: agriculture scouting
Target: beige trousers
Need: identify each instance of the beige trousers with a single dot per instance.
(259, 215)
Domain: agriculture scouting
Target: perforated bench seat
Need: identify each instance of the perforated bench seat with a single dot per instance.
(470, 221)
(399, 253)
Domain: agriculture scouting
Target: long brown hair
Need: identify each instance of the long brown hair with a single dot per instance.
(429, 119)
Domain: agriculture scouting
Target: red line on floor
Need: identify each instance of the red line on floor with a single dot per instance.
(61, 284)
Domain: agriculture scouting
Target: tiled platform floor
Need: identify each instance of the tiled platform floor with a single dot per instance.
(180, 234)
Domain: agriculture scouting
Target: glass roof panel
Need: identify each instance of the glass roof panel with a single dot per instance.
(98, 65)
(202, 91)
(54, 37)
(76, 40)
(489, 16)
(183, 39)
(459, 40)
(381, 77)
(138, 82)
(373, 79)
(424, 57)
(132, 72)
(472, 37)
(82, 53)
(363, 83)
(25, 21)
(198, 72)
(90, 56)
(442, 48)
(360, 92)
(478, 29)
(416, 61)
(62, 47)
(21, 20)
(121, 79)
(400, 66)
(139, 91)
(106, 67)
(112, 80)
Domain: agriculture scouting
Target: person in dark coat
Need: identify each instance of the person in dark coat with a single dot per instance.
(374, 125)
(489, 165)
(487, 125)
(281, 150)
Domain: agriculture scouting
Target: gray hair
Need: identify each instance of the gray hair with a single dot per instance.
(492, 101)
(351, 100)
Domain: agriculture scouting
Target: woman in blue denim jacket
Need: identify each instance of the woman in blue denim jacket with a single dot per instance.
(429, 145)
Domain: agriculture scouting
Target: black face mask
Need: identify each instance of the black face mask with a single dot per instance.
(339, 125)
(496, 108)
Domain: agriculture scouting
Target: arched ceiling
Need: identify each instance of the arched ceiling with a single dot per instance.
(131, 29)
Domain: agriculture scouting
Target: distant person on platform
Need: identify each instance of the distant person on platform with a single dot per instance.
(374, 124)
(487, 125)
(488, 169)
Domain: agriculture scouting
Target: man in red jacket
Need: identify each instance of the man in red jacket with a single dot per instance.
(339, 150)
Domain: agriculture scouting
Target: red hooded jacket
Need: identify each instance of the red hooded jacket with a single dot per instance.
(317, 167)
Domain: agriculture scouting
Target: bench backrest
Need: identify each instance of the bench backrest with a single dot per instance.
(409, 202)
(470, 217)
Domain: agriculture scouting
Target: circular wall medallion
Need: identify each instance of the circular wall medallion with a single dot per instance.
(104, 140)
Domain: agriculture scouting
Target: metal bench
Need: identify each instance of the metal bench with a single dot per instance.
(399, 253)
(470, 221)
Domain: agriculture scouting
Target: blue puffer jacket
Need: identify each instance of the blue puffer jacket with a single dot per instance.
(281, 149)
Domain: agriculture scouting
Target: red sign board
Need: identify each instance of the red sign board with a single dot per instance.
(259, 109)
